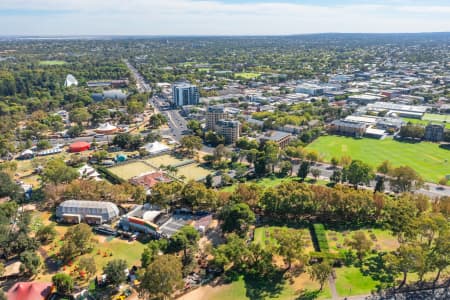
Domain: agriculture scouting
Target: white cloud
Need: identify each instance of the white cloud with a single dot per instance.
(185, 17)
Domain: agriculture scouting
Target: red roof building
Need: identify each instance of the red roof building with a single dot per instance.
(150, 179)
(29, 291)
(79, 147)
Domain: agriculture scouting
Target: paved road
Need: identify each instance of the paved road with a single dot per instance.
(142, 86)
(430, 189)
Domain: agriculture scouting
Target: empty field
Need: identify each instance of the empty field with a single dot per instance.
(193, 172)
(428, 159)
(164, 160)
(130, 170)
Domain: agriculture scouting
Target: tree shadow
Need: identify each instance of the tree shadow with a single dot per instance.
(308, 295)
(374, 267)
(261, 287)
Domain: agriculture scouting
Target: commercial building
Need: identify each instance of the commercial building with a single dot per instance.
(229, 129)
(351, 128)
(310, 89)
(279, 137)
(364, 98)
(91, 212)
(213, 115)
(405, 111)
(185, 94)
(434, 132)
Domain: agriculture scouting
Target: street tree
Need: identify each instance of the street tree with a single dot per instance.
(404, 179)
(303, 170)
(191, 142)
(357, 173)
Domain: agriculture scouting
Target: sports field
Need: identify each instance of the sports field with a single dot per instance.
(193, 172)
(165, 160)
(247, 75)
(127, 171)
(430, 161)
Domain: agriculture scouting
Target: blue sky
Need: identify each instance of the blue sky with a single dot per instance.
(220, 17)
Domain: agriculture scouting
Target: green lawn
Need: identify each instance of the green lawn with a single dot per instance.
(237, 290)
(436, 118)
(350, 281)
(52, 62)
(425, 122)
(430, 161)
(247, 75)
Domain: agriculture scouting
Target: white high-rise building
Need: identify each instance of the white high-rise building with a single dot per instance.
(185, 94)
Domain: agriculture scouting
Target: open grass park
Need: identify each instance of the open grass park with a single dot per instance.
(428, 159)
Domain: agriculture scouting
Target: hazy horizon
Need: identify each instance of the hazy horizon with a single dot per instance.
(220, 17)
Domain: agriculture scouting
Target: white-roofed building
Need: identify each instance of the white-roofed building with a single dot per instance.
(70, 81)
(106, 128)
(91, 212)
(155, 148)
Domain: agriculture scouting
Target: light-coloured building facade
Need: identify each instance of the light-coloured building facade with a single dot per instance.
(185, 94)
(213, 115)
(229, 129)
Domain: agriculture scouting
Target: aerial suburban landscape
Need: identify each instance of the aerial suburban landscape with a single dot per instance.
(211, 166)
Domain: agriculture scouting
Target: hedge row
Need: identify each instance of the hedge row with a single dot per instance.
(113, 178)
(320, 237)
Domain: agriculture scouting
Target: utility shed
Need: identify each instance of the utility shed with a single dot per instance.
(91, 212)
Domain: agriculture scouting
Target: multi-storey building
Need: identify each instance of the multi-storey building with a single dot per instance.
(213, 115)
(434, 132)
(185, 94)
(229, 129)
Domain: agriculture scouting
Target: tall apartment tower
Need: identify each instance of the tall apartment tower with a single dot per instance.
(185, 94)
(229, 129)
(213, 115)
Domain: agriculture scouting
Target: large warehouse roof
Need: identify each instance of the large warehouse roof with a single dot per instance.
(108, 209)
